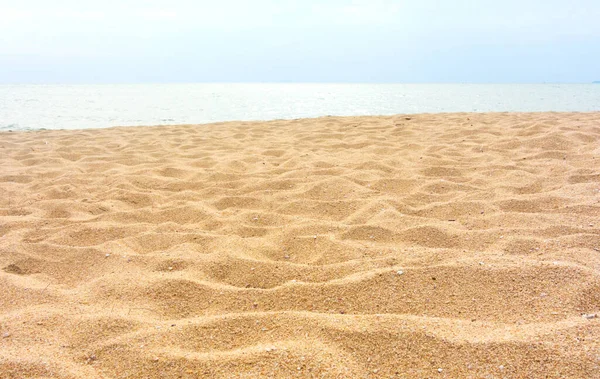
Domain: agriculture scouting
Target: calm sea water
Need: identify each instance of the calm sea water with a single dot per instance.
(97, 106)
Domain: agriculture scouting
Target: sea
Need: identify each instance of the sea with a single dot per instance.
(31, 107)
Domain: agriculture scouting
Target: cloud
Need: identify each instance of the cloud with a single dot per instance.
(14, 15)
(158, 14)
(79, 15)
(359, 13)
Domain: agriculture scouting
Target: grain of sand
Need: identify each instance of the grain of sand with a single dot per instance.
(421, 246)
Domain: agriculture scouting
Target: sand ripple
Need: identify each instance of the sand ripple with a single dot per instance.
(331, 247)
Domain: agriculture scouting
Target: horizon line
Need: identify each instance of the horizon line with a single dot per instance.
(283, 82)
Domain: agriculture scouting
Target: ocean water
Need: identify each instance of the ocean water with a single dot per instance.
(24, 107)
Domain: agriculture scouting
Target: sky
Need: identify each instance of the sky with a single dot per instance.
(390, 41)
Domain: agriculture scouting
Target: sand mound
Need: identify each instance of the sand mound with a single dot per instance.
(448, 245)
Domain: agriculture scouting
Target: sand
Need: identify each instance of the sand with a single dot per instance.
(411, 246)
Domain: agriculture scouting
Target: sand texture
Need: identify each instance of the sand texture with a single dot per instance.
(422, 246)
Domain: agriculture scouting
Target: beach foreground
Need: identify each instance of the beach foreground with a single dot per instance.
(421, 246)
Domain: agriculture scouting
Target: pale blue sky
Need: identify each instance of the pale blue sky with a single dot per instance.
(111, 41)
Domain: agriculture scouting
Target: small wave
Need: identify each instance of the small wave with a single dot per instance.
(17, 127)
(9, 127)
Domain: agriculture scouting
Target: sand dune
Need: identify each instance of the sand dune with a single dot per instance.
(421, 246)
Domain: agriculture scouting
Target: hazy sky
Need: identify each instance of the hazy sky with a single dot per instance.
(115, 41)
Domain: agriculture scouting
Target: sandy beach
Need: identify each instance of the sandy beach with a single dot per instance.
(411, 246)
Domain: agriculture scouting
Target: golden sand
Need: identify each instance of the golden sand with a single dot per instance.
(422, 246)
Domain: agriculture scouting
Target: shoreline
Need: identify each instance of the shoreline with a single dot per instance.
(316, 118)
